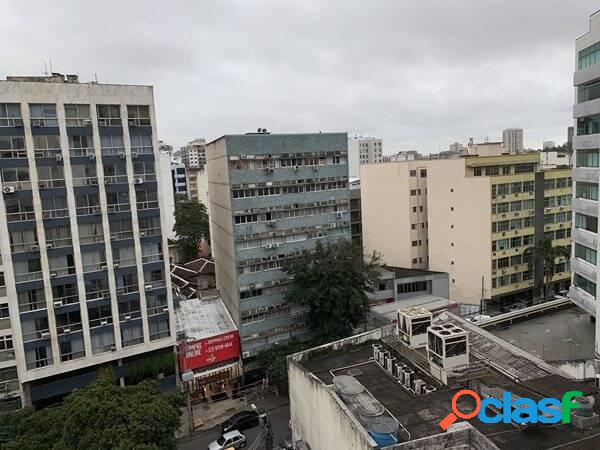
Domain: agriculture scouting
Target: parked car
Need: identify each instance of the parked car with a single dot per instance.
(478, 318)
(241, 421)
(233, 439)
(515, 307)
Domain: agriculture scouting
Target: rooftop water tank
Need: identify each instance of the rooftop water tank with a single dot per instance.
(383, 430)
(348, 387)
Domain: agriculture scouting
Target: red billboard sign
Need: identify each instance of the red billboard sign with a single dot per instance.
(209, 351)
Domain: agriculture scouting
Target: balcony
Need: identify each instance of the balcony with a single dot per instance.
(30, 276)
(36, 335)
(118, 207)
(88, 210)
(68, 328)
(115, 179)
(39, 122)
(59, 243)
(82, 152)
(160, 335)
(140, 178)
(62, 272)
(120, 235)
(103, 294)
(145, 150)
(152, 285)
(125, 263)
(85, 181)
(145, 232)
(131, 289)
(156, 310)
(95, 267)
(113, 151)
(25, 247)
(152, 258)
(79, 122)
(16, 186)
(55, 213)
(101, 322)
(13, 122)
(133, 341)
(48, 153)
(7, 355)
(21, 216)
(139, 122)
(51, 184)
(148, 204)
(13, 154)
(109, 122)
(131, 315)
(39, 363)
(91, 239)
(59, 302)
(64, 357)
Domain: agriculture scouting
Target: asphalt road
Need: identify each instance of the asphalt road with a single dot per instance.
(278, 417)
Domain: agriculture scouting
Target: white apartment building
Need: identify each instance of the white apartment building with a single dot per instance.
(586, 173)
(83, 277)
(512, 139)
(193, 154)
(363, 150)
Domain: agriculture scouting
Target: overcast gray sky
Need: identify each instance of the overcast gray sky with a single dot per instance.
(419, 74)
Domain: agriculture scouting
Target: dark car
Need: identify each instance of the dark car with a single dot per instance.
(241, 421)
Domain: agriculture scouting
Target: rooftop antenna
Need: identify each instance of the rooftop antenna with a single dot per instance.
(50, 65)
(95, 77)
(45, 69)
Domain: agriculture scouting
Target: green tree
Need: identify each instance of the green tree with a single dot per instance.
(100, 416)
(546, 254)
(191, 226)
(274, 360)
(333, 281)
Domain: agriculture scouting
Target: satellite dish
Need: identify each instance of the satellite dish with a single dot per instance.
(258, 130)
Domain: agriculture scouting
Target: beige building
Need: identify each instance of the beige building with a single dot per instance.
(472, 217)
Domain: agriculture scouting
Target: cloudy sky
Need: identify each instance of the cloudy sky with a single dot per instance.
(419, 74)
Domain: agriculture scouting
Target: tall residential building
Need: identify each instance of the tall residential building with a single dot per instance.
(363, 150)
(512, 139)
(179, 178)
(165, 148)
(270, 197)
(586, 173)
(472, 217)
(82, 247)
(193, 154)
(457, 147)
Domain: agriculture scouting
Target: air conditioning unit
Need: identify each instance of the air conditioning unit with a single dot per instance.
(45, 334)
(87, 122)
(116, 265)
(113, 348)
(103, 267)
(42, 185)
(122, 155)
(8, 189)
(142, 233)
(35, 248)
(315, 168)
(134, 155)
(332, 225)
(58, 158)
(267, 246)
(339, 214)
(3, 387)
(36, 123)
(246, 355)
(58, 303)
(166, 309)
(127, 317)
(91, 157)
(296, 168)
(275, 245)
(138, 180)
(148, 287)
(66, 330)
(52, 274)
(103, 322)
(50, 245)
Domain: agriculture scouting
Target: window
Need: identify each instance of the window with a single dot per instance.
(528, 186)
(589, 56)
(15, 174)
(417, 286)
(413, 173)
(4, 312)
(585, 253)
(517, 187)
(477, 171)
(6, 343)
(502, 225)
(588, 125)
(588, 191)
(588, 158)
(503, 263)
(109, 115)
(413, 226)
(503, 189)
(585, 222)
(501, 244)
(528, 240)
(43, 115)
(528, 204)
(515, 241)
(515, 224)
(415, 243)
(503, 207)
(78, 115)
(10, 115)
(516, 206)
(413, 192)
(516, 260)
(492, 170)
(524, 168)
(585, 284)
(423, 173)
(138, 115)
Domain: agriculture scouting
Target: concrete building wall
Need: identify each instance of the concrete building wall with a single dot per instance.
(165, 190)
(460, 229)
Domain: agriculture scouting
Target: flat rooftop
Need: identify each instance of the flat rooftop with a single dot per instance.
(403, 272)
(432, 303)
(564, 335)
(203, 318)
(510, 369)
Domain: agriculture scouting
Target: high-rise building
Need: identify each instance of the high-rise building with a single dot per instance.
(512, 139)
(270, 197)
(471, 217)
(457, 147)
(586, 143)
(548, 144)
(179, 177)
(165, 148)
(193, 154)
(83, 267)
(363, 150)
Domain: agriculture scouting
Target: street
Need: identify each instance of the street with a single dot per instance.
(279, 418)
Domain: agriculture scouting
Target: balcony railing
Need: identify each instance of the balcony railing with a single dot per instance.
(158, 310)
(145, 177)
(139, 121)
(118, 207)
(145, 232)
(38, 363)
(148, 204)
(11, 122)
(79, 152)
(152, 258)
(131, 289)
(44, 122)
(32, 306)
(62, 272)
(30, 276)
(134, 341)
(103, 349)
(95, 267)
(112, 151)
(25, 247)
(91, 239)
(7, 355)
(151, 285)
(119, 235)
(13, 154)
(125, 262)
(18, 185)
(115, 179)
(97, 295)
(101, 322)
(161, 335)
(48, 184)
(71, 356)
(36, 335)
(55, 213)
(79, 122)
(68, 328)
(63, 301)
(47, 152)
(109, 122)
(85, 181)
(21, 216)
(58, 243)
(131, 315)
(88, 210)
(142, 150)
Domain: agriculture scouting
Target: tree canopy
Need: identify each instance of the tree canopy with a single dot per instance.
(546, 254)
(333, 281)
(191, 226)
(100, 416)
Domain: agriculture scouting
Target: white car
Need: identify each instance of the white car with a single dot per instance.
(479, 318)
(232, 439)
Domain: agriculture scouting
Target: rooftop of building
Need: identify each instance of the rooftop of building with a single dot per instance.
(59, 78)
(202, 318)
(496, 364)
(404, 272)
(432, 303)
(270, 135)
